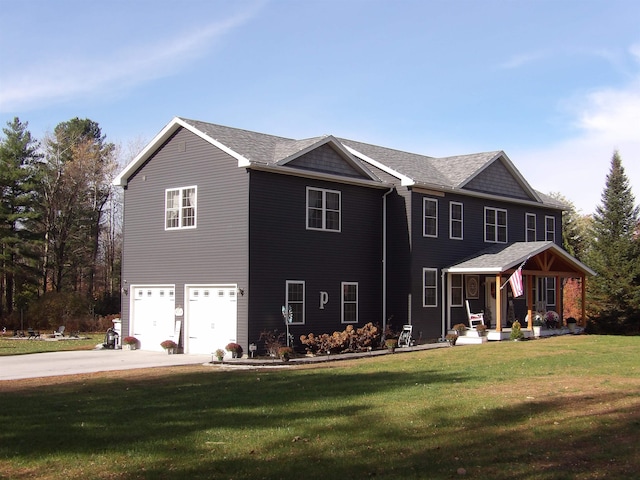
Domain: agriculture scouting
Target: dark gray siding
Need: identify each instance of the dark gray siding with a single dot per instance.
(283, 249)
(213, 253)
(442, 252)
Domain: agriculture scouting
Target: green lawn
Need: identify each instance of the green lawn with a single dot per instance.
(559, 408)
(21, 346)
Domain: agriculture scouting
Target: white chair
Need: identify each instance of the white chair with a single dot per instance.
(475, 319)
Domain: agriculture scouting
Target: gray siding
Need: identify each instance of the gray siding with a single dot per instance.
(496, 179)
(215, 251)
(283, 249)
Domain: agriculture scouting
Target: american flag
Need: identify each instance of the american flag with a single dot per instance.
(515, 280)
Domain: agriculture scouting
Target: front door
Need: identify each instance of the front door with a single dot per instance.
(491, 315)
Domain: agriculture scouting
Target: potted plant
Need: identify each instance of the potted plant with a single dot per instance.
(516, 331)
(235, 349)
(481, 329)
(130, 342)
(451, 338)
(571, 324)
(219, 354)
(391, 344)
(538, 323)
(170, 346)
(285, 353)
(459, 328)
(552, 319)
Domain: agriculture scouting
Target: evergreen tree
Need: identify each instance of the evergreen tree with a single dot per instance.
(19, 159)
(613, 293)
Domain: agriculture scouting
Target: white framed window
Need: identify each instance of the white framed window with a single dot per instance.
(550, 228)
(530, 227)
(456, 290)
(456, 221)
(295, 300)
(349, 302)
(429, 287)
(324, 209)
(495, 225)
(180, 208)
(430, 214)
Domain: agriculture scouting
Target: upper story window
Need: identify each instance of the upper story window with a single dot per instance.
(430, 212)
(323, 209)
(295, 300)
(495, 225)
(530, 226)
(349, 302)
(550, 228)
(455, 220)
(180, 208)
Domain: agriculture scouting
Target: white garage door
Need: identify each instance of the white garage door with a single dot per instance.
(211, 321)
(153, 316)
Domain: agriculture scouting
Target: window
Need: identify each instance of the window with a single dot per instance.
(180, 208)
(530, 226)
(550, 290)
(349, 302)
(295, 300)
(550, 228)
(430, 211)
(430, 287)
(495, 225)
(455, 220)
(323, 209)
(456, 290)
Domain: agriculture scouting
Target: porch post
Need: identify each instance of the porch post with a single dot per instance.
(529, 279)
(583, 309)
(498, 303)
(559, 303)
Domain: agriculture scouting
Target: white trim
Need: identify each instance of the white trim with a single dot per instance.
(424, 217)
(497, 225)
(451, 220)
(180, 208)
(526, 226)
(343, 302)
(424, 286)
(304, 299)
(324, 209)
(404, 180)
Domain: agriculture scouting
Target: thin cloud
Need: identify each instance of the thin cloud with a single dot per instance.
(522, 59)
(60, 80)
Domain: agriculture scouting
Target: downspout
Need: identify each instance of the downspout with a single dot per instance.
(443, 293)
(384, 261)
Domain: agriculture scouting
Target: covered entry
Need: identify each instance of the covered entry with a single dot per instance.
(153, 315)
(538, 260)
(211, 320)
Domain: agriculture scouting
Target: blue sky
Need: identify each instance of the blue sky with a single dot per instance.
(553, 83)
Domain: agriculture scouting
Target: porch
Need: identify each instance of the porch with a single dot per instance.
(473, 337)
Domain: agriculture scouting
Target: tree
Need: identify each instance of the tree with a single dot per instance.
(19, 159)
(613, 293)
(575, 229)
(76, 187)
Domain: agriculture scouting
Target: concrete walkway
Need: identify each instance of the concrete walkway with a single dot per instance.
(89, 361)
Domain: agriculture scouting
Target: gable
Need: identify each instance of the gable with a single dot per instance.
(325, 159)
(496, 179)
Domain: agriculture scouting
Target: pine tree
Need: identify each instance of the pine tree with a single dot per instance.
(18, 163)
(613, 293)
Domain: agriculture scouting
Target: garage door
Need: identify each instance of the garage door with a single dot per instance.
(211, 320)
(153, 316)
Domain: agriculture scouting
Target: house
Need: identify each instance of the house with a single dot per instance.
(229, 233)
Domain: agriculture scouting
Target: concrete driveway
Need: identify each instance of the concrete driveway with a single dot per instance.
(88, 361)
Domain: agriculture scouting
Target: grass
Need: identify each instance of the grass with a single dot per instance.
(22, 346)
(559, 408)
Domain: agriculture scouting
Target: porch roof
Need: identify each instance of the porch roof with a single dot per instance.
(540, 257)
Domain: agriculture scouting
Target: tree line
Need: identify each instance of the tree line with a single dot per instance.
(60, 235)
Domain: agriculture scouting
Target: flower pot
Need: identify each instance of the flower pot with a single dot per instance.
(171, 351)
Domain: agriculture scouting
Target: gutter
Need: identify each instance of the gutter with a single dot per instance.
(384, 260)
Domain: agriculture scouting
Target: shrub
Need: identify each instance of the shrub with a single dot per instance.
(516, 332)
(285, 352)
(273, 341)
(349, 340)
